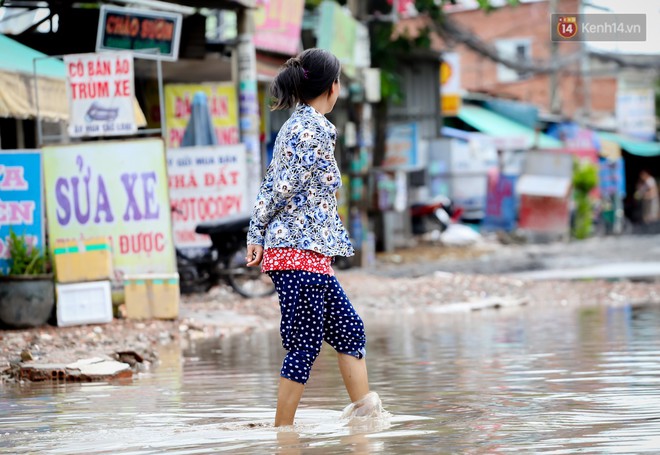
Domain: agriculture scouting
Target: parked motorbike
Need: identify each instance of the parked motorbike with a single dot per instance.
(224, 261)
(436, 214)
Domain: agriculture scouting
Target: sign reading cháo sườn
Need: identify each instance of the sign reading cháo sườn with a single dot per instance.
(149, 34)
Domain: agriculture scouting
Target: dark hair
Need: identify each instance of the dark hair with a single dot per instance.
(304, 78)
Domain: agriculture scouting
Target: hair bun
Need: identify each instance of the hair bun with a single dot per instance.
(293, 62)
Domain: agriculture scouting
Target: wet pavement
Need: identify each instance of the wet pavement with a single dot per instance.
(536, 379)
(637, 255)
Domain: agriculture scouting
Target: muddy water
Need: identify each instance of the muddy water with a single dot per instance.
(555, 381)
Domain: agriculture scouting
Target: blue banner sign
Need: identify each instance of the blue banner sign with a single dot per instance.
(501, 205)
(21, 200)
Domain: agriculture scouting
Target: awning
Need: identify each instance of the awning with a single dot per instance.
(17, 95)
(503, 129)
(631, 145)
(543, 186)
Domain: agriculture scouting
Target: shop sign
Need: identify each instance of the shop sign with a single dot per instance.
(148, 34)
(401, 146)
(635, 113)
(206, 184)
(223, 107)
(117, 190)
(100, 90)
(277, 25)
(21, 200)
(450, 84)
(337, 33)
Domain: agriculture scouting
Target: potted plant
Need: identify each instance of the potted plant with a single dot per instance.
(27, 292)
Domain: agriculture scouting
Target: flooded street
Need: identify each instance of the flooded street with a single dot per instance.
(554, 380)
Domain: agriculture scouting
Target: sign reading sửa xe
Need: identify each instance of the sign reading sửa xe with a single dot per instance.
(149, 34)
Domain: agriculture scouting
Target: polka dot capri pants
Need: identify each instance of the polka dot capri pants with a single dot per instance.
(314, 308)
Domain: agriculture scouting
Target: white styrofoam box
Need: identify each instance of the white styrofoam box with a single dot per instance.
(84, 303)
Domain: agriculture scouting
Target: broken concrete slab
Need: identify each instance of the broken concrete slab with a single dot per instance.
(85, 370)
(98, 367)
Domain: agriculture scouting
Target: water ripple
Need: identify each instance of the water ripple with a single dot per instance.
(536, 380)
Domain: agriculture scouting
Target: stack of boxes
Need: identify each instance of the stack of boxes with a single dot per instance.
(152, 296)
(84, 270)
(84, 273)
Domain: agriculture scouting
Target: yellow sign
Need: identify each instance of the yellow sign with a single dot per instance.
(116, 190)
(451, 104)
(445, 73)
(450, 84)
(223, 107)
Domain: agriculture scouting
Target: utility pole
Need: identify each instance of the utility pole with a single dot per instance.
(248, 102)
(585, 69)
(555, 101)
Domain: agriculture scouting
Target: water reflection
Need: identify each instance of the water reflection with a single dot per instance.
(542, 380)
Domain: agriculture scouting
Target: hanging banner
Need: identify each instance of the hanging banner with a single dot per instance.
(501, 206)
(277, 26)
(206, 184)
(223, 107)
(117, 190)
(100, 90)
(149, 34)
(337, 33)
(21, 200)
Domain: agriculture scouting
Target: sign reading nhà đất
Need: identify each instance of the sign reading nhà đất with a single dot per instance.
(206, 184)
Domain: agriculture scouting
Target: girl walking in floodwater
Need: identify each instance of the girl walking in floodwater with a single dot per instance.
(295, 231)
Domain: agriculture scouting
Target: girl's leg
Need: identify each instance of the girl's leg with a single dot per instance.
(354, 373)
(288, 397)
(344, 331)
(301, 303)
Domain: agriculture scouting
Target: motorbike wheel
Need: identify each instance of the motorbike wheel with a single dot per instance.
(248, 281)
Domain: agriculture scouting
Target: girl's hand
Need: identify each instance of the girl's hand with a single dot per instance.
(255, 254)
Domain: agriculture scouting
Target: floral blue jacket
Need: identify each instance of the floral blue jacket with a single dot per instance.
(296, 206)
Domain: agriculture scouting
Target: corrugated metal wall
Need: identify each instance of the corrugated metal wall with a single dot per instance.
(421, 104)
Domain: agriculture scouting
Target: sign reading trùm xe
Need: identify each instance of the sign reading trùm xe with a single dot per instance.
(149, 34)
(100, 91)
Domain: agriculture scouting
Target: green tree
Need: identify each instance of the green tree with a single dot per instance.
(585, 179)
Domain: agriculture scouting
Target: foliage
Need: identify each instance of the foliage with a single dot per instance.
(585, 179)
(385, 51)
(26, 260)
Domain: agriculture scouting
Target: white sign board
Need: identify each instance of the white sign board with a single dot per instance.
(635, 113)
(100, 89)
(206, 184)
